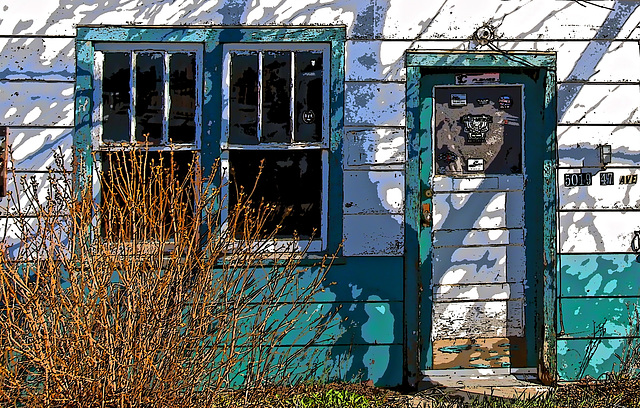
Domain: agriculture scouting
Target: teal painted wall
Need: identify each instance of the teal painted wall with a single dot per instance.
(597, 321)
(364, 338)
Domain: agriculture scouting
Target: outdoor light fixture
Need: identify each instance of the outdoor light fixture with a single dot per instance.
(605, 154)
(485, 34)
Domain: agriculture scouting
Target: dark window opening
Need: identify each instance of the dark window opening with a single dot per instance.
(116, 98)
(165, 89)
(276, 75)
(149, 97)
(243, 99)
(182, 96)
(308, 97)
(290, 179)
(271, 102)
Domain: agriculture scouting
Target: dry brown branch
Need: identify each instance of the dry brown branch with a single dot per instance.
(144, 296)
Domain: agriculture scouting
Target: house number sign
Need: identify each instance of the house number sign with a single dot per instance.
(606, 178)
(577, 179)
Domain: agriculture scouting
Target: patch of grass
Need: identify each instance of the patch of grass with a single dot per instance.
(547, 401)
(606, 394)
(610, 393)
(332, 398)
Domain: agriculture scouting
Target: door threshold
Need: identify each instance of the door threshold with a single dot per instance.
(500, 382)
(482, 372)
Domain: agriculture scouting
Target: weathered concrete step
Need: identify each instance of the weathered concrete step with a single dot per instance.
(503, 386)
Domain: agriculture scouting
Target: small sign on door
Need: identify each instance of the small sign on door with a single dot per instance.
(478, 79)
(475, 164)
(458, 99)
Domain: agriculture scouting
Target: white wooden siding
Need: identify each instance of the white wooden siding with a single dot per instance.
(578, 145)
(31, 103)
(373, 235)
(599, 104)
(374, 104)
(530, 20)
(598, 94)
(37, 58)
(33, 148)
(374, 147)
(373, 192)
(597, 231)
(37, 184)
(600, 197)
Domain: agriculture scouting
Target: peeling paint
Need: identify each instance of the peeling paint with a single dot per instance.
(478, 256)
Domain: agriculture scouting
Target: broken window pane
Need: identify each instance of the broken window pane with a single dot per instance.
(276, 77)
(291, 180)
(182, 93)
(243, 99)
(116, 89)
(309, 96)
(149, 97)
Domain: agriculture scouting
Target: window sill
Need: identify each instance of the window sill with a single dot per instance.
(306, 260)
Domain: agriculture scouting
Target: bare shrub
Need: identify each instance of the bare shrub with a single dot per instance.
(629, 366)
(145, 296)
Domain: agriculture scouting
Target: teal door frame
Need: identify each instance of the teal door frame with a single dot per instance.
(540, 196)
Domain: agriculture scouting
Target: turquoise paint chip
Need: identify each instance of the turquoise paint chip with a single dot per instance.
(455, 349)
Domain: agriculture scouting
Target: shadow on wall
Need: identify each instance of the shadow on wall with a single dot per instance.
(41, 111)
(372, 288)
(585, 66)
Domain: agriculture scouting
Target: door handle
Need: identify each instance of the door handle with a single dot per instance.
(425, 215)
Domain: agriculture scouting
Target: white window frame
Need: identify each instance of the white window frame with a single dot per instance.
(319, 243)
(99, 146)
(133, 48)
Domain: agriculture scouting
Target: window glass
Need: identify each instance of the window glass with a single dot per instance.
(275, 131)
(144, 178)
(116, 97)
(149, 85)
(149, 93)
(243, 99)
(276, 73)
(182, 95)
(308, 96)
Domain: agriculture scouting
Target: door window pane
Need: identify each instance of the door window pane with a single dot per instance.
(478, 129)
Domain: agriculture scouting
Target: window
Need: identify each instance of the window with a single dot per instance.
(147, 95)
(238, 94)
(275, 114)
(147, 125)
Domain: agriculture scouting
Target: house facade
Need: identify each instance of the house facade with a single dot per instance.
(474, 164)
